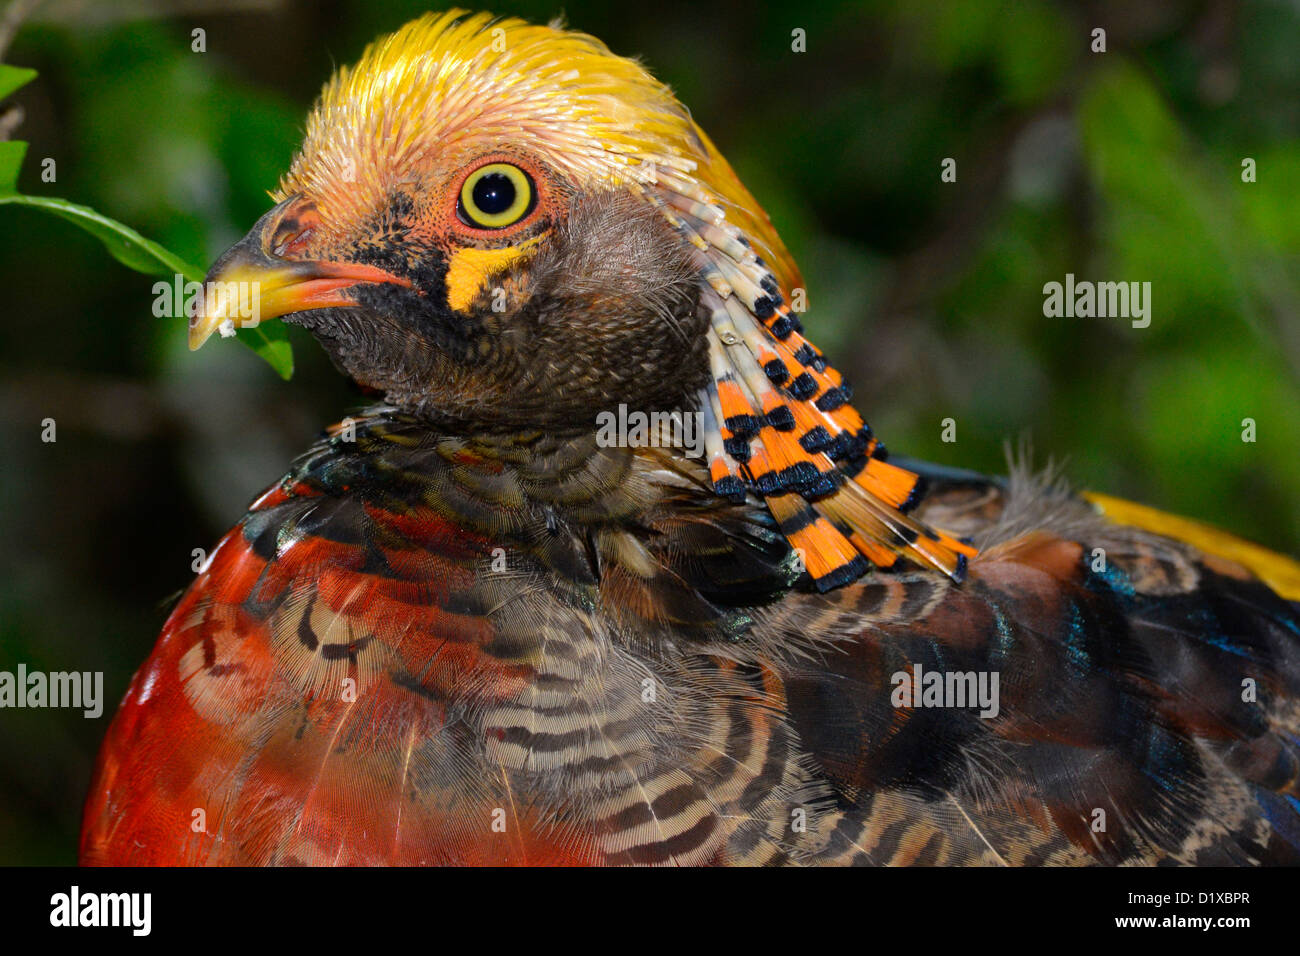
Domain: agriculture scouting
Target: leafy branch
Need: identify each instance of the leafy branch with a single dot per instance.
(122, 242)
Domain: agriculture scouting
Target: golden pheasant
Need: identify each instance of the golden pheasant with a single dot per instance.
(477, 624)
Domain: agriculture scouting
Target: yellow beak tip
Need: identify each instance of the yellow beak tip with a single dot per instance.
(199, 334)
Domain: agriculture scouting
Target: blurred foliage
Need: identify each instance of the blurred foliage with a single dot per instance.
(1117, 166)
(125, 244)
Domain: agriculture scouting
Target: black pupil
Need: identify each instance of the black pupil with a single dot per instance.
(494, 193)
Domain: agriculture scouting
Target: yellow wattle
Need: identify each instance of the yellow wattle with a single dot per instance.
(468, 270)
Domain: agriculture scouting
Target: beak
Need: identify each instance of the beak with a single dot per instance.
(249, 284)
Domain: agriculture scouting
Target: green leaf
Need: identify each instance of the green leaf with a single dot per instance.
(133, 250)
(122, 242)
(14, 78)
(11, 160)
(271, 342)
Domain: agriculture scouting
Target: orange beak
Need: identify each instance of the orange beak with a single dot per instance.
(249, 284)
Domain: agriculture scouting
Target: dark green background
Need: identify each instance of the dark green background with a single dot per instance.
(1122, 166)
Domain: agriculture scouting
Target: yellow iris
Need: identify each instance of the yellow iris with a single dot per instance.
(496, 195)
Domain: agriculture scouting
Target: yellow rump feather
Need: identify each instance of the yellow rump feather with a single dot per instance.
(1278, 571)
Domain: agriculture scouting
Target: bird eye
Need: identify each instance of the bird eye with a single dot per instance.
(496, 196)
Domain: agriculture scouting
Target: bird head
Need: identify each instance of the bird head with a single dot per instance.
(483, 223)
(503, 225)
